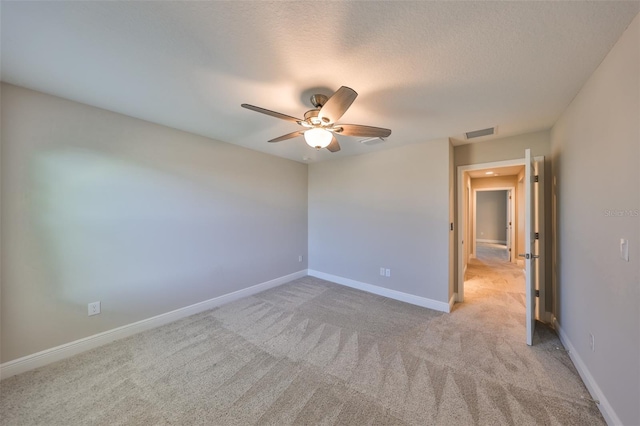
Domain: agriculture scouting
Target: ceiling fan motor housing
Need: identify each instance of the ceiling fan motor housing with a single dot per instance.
(318, 100)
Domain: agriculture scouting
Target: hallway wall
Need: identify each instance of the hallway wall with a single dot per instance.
(491, 216)
(596, 166)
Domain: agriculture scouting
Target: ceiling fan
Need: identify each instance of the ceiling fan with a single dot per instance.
(320, 125)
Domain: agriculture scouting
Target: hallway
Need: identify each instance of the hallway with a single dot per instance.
(492, 280)
(495, 288)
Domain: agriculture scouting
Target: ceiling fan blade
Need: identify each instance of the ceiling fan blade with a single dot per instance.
(337, 104)
(367, 131)
(334, 146)
(271, 113)
(288, 136)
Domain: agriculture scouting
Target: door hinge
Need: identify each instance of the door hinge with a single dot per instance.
(537, 293)
(537, 236)
(536, 178)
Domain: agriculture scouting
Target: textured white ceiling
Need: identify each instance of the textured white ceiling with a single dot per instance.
(426, 70)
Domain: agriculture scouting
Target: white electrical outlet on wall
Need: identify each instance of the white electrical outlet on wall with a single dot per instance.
(94, 308)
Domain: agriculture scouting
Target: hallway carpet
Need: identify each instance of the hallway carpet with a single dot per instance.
(313, 352)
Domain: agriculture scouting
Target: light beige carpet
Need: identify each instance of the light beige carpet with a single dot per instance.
(313, 352)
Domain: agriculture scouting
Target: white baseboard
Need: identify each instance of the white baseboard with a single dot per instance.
(479, 240)
(381, 291)
(596, 393)
(39, 359)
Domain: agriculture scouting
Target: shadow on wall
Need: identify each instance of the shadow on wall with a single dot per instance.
(108, 223)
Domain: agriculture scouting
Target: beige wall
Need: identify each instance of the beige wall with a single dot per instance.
(491, 216)
(385, 209)
(596, 165)
(144, 218)
(496, 182)
(508, 148)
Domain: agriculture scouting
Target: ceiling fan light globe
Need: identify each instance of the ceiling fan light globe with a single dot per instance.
(318, 138)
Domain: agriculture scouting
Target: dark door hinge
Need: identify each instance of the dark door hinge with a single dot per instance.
(537, 236)
(536, 178)
(537, 293)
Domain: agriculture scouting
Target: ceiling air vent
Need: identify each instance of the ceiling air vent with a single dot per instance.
(480, 133)
(372, 141)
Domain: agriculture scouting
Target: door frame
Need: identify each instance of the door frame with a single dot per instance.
(461, 226)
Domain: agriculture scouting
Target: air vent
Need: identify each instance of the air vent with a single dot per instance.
(480, 133)
(372, 141)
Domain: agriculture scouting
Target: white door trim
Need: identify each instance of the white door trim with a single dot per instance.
(530, 244)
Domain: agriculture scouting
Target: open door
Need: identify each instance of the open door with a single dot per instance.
(530, 211)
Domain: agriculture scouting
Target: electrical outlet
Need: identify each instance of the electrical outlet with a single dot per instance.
(94, 308)
(382, 272)
(592, 342)
(300, 258)
(387, 272)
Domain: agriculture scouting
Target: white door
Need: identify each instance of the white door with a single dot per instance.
(530, 243)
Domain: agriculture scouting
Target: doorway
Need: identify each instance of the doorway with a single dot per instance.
(487, 271)
(493, 218)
